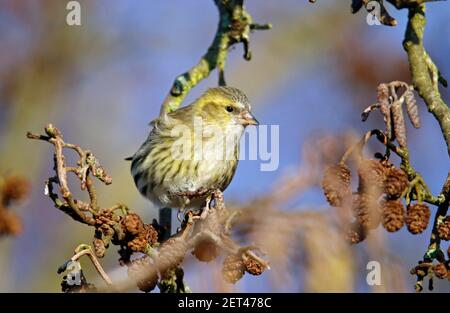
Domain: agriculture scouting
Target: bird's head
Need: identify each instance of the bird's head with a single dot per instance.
(225, 106)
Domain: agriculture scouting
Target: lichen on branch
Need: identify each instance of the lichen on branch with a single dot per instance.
(425, 75)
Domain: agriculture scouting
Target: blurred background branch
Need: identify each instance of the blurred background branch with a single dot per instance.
(13, 190)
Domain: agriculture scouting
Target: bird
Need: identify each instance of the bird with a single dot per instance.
(194, 150)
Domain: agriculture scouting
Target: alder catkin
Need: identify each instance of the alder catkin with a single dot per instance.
(385, 107)
(412, 109)
(399, 124)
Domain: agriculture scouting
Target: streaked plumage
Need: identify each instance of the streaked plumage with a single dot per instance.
(166, 178)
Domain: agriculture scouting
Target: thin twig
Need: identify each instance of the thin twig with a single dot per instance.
(87, 250)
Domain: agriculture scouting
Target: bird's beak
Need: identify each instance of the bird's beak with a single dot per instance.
(247, 118)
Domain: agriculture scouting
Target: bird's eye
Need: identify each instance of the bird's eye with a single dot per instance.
(229, 108)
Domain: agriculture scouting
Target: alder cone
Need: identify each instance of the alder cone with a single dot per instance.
(417, 218)
(440, 270)
(253, 267)
(444, 229)
(336, 184)
(393, 215)
(396, 183)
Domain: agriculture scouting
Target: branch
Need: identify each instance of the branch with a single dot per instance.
(434, 251)
(235, 25)
(87, 164)
(82, 250)
(425, 75)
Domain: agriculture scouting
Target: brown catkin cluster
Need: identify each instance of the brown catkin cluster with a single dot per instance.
(336, 184)
(417, 218)
(105, 221)
(444, 229)
(136, 234)
(393, 215)
(206, 251)
(139, 234)
(376, 178)
(132, 223)
(233, 268)
(148, 235)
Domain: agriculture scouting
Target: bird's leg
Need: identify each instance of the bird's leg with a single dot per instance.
(217, 195)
